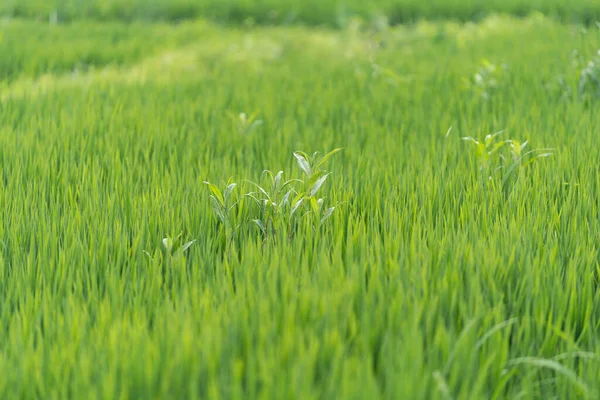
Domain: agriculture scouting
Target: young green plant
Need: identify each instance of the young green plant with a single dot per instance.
(223, 205)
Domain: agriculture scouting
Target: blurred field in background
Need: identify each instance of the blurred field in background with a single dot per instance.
(311, 12)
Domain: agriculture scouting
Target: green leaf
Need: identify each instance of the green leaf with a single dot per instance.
(492, 135)
(268, 172)
(286, 198)
(296, 204)
(168, 244)
(187, 245)
(326, 157)
(495, 328)
(303, 163)
(263, 191)
(470, 139)
(316, 175)
(315, 188)
(260, 224)
(535, 158)
(228, 190)
(498, 146)
(328, 213)
(277, 180)
(218, 209)
(289, 182)
(216, 192)
(442, 385)
(314, 205)
(553, 365)
(251, 196)
(505, 377)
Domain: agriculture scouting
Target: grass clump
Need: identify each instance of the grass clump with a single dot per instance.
(283, 204)
(504, 158)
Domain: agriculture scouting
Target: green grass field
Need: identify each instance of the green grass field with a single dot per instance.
(444, 272)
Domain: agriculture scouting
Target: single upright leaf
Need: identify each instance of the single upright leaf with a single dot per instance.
(228, 190)
(216, 192)
(524, 144)
(260, 224)
(218, 209)
(327, 157)
(314, 205)
(168, 243)
(316, 175)
(303, 163)
(277, 179)
(315, 188)
(187, 245)
(297, 203)
(448, 131)
(286, 198)
(327, 213)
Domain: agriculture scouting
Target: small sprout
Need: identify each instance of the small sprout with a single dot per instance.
(172, 247)
(389, 75)
(246, 124)
(486, 80)
(223, 206)
(485, 149)
(491, 160)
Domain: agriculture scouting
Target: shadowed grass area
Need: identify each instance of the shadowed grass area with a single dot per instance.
(30, 48)
(311, 12)
(431, 281)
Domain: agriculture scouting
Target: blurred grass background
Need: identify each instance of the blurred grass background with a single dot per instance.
(310, 12)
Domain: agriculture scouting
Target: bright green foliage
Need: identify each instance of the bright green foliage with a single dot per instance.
(120, 277)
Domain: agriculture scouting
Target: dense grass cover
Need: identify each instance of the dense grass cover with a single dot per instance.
(429, 281)
(312, 12)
